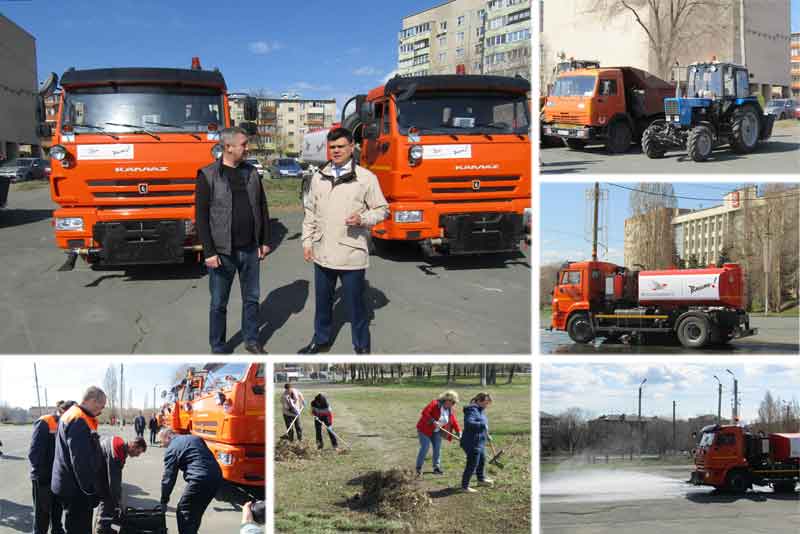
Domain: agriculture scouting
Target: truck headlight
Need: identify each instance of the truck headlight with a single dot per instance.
(415, 155)
(225, 458)
(58, 153)
(73, 224)
(408, 216)
(216, 151)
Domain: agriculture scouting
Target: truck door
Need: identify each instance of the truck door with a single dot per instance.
(726, 447)
(376, 148)
(569, 290)
(610, 97)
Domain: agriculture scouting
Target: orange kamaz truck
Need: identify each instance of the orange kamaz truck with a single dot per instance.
(229, 414)
(453, 156)
(127, 145)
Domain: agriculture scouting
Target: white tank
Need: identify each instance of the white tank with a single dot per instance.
(678, 287)
(315, 147)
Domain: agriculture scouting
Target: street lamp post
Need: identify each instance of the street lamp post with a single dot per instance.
(641, 433)
(735, 397)
(719, 400)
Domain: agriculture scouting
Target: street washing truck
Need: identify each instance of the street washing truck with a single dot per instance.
(453, 157)
(127, 145)
(609, 105)
(229, 414)
(734, 459)
(701, 307)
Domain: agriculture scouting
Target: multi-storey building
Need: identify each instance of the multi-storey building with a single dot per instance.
(507, 40)
(18, 81)
(794, 58)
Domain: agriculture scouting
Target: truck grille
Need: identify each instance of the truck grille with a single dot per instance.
(569, 118)
(134, 191)
(671, 107)
(472, 185)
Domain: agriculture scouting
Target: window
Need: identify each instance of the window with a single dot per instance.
(742, 84)
(571, 278)
(443, 41)
(406, 48)
(726, 439)
(443, 26)
(510, 3)
(608, 88)
(419, 45)
(291, 121)
(518, 16)
(495, 4)
(461, 38)
(479, 32)
(291, 134)
(495, 23)
(291, 109)
(459, 52)
(387, 121)
(460, 20)
(442, 57)
(419, 60)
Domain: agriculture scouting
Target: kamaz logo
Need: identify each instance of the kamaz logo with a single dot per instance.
(141, 169)
(695, 289)
(489, 167)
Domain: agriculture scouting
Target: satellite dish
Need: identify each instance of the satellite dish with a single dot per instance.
(49, 85)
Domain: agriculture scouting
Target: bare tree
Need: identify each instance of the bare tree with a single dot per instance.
(769, 416)
(111, 386)
(572, 429)
(651, 237)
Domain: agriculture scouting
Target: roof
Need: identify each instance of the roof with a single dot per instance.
(77, 78)
(458, 82)
(428, 9)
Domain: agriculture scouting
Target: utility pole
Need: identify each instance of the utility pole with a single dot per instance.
(674, 428)
(641, 430)
(46, 404)
(594, 224)
(719, 401)
(122, 393)
(767, 266)
(735, 397)
(36, 379)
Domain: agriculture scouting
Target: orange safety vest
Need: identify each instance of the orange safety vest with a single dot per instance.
(52, 422)
(76, 413)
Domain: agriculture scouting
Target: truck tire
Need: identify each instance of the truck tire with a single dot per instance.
(744, 130)
(700, 143)
(737, 481)
(695, 332)
(579, 328)
(784, 487)
(620, 137)
(650, 145)
(576, 144)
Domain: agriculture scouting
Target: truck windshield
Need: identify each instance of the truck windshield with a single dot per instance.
(704, 80)
(707, 439)
(223, 377)
(464, 113)
(133, 108)
(574, 86)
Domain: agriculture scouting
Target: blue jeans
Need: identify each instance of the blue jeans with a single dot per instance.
(476, 458)
(424, 443)
(245, 262)
(353, 283)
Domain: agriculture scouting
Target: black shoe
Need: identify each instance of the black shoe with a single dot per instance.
(364, 350)
(315, 348)
(255, 348)
(437, 471)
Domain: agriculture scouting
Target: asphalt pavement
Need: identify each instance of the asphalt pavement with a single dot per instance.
(778, 155)
(141, 485)
(657, 501)
(462, 305)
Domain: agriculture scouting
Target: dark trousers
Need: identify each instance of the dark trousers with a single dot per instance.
(318, 430)
(46, 509)
(194, 501)
(140, 433)
(153, 434)
(77, 514)
(353, 285)
(475, 463)
(287, 419)
(245, 262)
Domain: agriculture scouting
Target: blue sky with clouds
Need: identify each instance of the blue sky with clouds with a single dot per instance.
(319, 49)
(613, 388)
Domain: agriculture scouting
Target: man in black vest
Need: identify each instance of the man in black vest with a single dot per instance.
(233, 225)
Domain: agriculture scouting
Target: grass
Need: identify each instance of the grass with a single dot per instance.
(579, 464)
(379, 422)
(458, 383)
(283, 193)
(30, 185)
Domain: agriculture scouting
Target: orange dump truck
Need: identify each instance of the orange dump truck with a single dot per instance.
(610, 105)
(127, 145)
(229, 414)
(453, 156)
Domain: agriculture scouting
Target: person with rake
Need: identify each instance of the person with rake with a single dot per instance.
(473, 441)
(323, 416)
(437, 417)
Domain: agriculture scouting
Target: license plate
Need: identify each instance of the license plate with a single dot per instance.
(563, 132)
(567, 126)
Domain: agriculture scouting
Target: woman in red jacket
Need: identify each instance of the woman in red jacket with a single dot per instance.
(437, 415)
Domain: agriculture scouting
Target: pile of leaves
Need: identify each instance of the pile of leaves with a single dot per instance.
(390, 493)
(288, 451)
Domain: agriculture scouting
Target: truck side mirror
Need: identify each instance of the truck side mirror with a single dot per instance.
(250, 108)
(366, 110)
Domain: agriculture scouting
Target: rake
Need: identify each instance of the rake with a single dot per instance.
(330, 429)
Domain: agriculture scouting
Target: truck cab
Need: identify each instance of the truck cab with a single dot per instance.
(229, 414)
(180, 400)
(453, 157)
(580, 288)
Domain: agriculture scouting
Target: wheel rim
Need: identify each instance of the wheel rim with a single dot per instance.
(749, 129)
(693, 332)
(704, 143)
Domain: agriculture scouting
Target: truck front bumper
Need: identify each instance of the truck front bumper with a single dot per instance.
(570, 131)
(697, 478)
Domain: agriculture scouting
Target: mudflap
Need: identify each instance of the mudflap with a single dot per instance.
(478, 233)
(767, 122)
(696, 478)
(140, 242)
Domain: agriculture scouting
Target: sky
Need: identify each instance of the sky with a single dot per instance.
(614, 389)
(565, 235)
(67, 379)
(318, 49)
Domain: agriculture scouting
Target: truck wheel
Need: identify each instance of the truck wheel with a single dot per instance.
(784, 487)
(694, 332)
(576, 144)
(700, 143)
(650, 144)
(620, 137)
(744, 131)
(579, 328)
(737, 482)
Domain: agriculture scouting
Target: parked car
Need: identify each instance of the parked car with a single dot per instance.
(23, 169)
(782, 108)
(285, 168)
(257, 164)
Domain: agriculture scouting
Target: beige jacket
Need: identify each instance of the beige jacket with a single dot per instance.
(330, 201)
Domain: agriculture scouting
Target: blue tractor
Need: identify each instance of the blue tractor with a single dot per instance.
(715, 109)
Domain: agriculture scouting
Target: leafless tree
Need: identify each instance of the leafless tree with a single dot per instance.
(650, 241)
(111, 387)
(769, 416)
(572, 429)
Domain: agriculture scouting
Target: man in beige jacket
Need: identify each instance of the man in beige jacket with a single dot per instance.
(344, 201)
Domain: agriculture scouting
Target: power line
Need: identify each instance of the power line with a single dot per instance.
(771, 197)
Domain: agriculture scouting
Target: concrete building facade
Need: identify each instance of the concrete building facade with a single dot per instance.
(755, 34)
(794, 60)
(467, 37)
(18, 89)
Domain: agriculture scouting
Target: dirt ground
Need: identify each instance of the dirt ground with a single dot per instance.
(314, 495)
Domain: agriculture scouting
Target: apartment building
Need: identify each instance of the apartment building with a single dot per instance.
(794, 59)
(507, 50)
(18, 90)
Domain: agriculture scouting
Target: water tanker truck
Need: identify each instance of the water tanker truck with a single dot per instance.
(734, 459)
(701, 307)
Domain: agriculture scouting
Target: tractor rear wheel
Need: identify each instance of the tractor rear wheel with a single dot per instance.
(620, 137)
(576, 144)
(694, 332)
(700, 143)
(744, 130)
(650, 144)
(579, 328)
